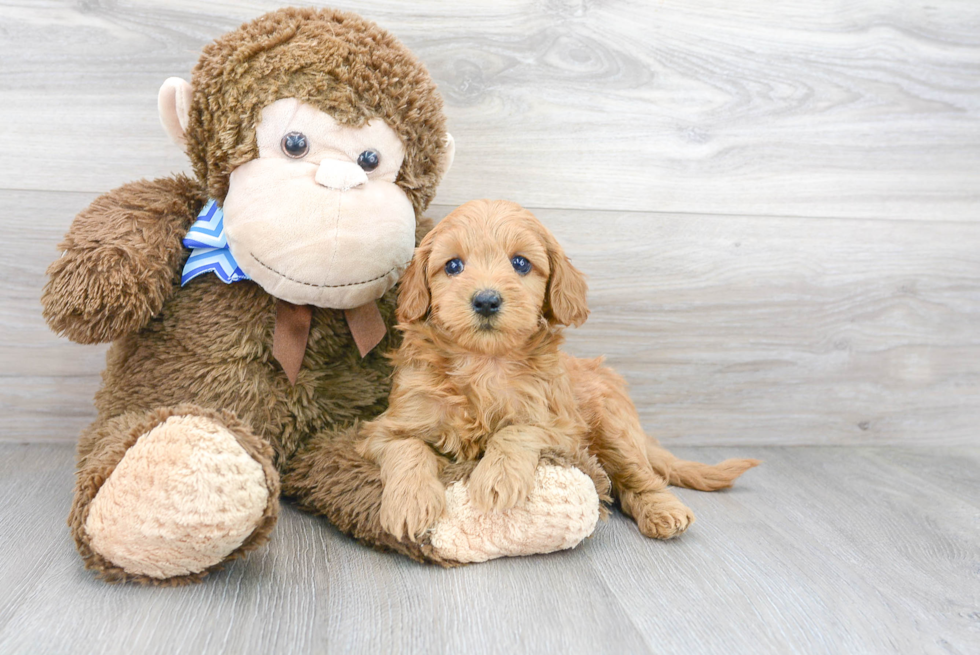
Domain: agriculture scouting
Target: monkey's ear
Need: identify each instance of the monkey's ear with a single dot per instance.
(414, 297)
(448, 156)
(174, 105)
(565, 302)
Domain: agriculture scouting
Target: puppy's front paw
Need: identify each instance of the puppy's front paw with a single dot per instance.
(408, 510)
(500, 483)
(660, 515)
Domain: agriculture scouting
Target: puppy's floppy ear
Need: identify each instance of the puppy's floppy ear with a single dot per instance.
(414, 297)
(565, 302)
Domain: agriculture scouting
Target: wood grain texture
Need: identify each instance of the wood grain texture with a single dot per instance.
(781, 330)
(820, 550)
(730, 330)
(46, 383)
(777, 207)
(859, 109)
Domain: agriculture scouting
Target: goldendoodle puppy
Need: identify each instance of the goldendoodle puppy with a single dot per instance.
(480, 375)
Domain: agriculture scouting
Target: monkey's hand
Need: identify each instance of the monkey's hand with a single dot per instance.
(120, 260)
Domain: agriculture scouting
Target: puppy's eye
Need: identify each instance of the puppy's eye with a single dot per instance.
(369, 160)
(295, 145)
(454, 266)
(521, 264)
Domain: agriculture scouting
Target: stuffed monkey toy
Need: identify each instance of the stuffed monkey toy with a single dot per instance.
(250, 307)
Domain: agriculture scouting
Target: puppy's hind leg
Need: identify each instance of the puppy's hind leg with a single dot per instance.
(641, 491)
(618, 441)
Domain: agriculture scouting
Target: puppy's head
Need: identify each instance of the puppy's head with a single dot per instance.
(489, 274)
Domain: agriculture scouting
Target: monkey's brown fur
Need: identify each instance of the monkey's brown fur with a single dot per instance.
(496, 388)
(206, 348)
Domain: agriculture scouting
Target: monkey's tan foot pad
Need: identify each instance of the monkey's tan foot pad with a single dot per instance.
(183, 498)
(560, 512)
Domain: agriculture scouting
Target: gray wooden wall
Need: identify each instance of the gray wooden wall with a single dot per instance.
(778, 204)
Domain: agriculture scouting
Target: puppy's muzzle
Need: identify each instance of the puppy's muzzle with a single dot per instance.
(486, 303)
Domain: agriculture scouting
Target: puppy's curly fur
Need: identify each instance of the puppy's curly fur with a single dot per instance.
(493, 385)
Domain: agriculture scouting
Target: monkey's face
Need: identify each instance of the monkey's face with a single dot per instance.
(317, 217)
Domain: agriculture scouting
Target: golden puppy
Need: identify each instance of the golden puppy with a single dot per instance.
(479, 375)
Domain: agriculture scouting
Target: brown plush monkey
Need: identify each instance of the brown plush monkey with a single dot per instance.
(248, 309)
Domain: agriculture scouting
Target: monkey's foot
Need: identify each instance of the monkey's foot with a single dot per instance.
(183, 498)
(560, 512)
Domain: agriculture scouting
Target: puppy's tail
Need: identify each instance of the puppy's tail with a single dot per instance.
(695, 475)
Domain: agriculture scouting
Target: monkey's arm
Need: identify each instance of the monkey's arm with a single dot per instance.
(121, 260)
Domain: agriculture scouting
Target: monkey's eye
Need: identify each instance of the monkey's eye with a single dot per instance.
(369, 160)
(454, 266)
(295, 145)
(520, 264)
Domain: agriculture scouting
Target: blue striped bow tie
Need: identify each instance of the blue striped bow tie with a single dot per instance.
(209, 248)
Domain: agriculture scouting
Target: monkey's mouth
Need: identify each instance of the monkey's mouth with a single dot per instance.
(326, 286)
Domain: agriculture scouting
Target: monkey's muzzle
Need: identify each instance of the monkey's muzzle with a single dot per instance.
(340, 175)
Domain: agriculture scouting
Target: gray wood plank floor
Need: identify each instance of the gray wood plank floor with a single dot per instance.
(820, 550)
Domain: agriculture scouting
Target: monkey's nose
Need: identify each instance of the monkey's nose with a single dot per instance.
(340, 175)
(487, 302)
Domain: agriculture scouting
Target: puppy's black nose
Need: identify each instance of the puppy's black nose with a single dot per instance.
(486, 302)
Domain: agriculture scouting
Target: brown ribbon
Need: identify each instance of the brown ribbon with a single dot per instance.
(367, 326)
(293, 331)
(290, 337)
